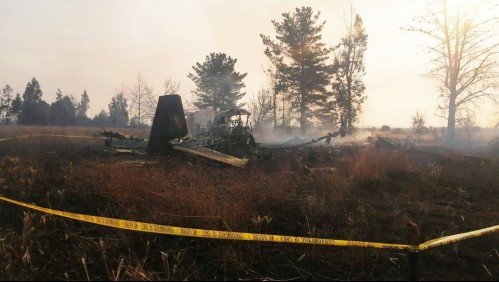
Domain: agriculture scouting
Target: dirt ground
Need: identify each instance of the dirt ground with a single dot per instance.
(353, 191)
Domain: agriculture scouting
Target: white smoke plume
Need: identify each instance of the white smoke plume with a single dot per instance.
(269, 136)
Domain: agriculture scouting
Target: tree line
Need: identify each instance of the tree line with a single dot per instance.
(30, 109)
(130, 106)
(313, 83)
(310, 83)
(307, 86)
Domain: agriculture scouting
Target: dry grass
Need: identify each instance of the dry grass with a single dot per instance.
(16, 130)
(369, 195)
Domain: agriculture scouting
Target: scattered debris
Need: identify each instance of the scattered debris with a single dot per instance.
(229, 139)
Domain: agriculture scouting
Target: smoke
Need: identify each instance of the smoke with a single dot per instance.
(270, 136)
(359, 137)
(483, 142)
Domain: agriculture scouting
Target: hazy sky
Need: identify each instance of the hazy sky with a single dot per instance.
(100, 45)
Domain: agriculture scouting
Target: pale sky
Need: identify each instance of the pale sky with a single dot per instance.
(100, 45)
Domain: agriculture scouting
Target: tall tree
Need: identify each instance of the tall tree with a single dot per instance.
(118, 113)
(16, 107)
(63, 111)
(58, 95)
(142, 102)
(301, 59)
(102, 119)
(348, 87)
(33, 92)
(34, 110)
(218, 84)
(82, 106)
(464, 54)
(5, 100)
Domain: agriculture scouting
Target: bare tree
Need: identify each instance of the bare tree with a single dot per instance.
(142, 102)
(273, 75)
(277, 84)
(464, 54)
(170, 86)
(261, 107)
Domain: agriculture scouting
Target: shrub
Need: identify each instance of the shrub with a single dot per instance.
(385, 128)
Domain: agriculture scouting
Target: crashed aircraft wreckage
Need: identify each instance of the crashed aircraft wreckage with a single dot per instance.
(229, 139)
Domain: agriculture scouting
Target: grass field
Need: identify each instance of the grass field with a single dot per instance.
(350, 192)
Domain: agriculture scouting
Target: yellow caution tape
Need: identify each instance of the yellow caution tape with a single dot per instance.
(457, 237)
(43, 134)
(213, 234)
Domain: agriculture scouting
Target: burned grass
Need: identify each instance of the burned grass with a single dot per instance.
(349, 192)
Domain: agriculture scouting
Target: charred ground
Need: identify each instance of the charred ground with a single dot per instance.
(362, 193)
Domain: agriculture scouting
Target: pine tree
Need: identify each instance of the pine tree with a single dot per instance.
(218, 84)
(33, 92)
(82, 108)
(34, 110)
(348, 87)
(16, 107)
(62, 111)
(300, 58)
(118, 112)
